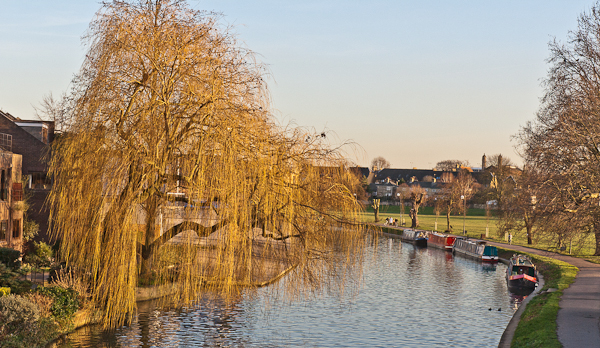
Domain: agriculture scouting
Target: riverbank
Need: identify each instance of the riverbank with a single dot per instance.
(578, 304)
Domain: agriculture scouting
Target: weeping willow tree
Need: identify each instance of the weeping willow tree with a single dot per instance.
(172, 170)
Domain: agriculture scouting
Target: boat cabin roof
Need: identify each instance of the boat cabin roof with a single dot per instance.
(521, 260)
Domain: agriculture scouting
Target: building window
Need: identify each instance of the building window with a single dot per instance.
(40, 180)
(3, 185)
(6, 141)
(3, 228)
(16, 228)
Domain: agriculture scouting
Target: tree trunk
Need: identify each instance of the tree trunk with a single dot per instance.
(376, 209)
(597, 235)
(448, 221)
(529, 234)
(414, 217)
(150, 236)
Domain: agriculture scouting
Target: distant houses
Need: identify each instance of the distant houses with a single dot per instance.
(394, 184)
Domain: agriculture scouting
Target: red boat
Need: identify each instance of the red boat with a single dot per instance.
(440, 240)
(521, 274)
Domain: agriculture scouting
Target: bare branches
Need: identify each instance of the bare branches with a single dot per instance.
(563, 141)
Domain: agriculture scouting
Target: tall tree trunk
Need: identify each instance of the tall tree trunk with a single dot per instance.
(597, 235)
(150, 236)
(448, 220)
(529, 228)
(376, 209)
(414, 217)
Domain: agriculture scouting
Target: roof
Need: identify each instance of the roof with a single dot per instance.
(406, 174)
(9, 116)
(362, 171)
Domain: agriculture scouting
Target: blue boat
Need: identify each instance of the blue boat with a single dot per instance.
(476, 249)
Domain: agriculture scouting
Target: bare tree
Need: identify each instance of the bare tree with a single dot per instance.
(57, 110)
(375, 207)
(447, 177)
(379, 163)
(563, 141)
(451, 164)
(529, 201)
(169, 113)
(454, 195)
(498, 160)
(417, 197)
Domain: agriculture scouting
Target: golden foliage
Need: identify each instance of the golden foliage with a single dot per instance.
(171, 169)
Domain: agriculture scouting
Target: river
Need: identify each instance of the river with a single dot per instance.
(410, 297)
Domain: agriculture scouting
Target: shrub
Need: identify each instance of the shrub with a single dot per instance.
(30, 229)
(4, 291)
(17, 311)
(10, 257)
(8, 278)
(21, 323)
(65, 301)
(41, 256)
(42, 302)
(67, 278)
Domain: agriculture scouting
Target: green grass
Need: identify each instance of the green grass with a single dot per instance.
(537, 327)
(584, 246)
(475, 221)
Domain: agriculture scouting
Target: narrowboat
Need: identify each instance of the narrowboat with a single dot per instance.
(416, 237)
(521, 273)
(440, 240)
(476, 249)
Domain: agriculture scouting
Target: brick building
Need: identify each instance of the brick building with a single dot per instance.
(11, 197)
(31, 140)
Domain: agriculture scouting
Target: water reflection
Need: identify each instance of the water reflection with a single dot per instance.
(411, 297)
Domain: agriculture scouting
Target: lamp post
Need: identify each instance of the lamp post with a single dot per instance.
(464, 212)
(401, 208)
(437, 212)
(487, 219)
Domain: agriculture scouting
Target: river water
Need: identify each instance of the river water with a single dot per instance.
(410, 297)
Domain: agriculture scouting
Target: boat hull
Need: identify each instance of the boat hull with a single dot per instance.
(441, 241)
(522, 281)
(415, 237)
(476, 250)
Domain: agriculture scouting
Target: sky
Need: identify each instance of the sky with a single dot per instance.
(416, 82)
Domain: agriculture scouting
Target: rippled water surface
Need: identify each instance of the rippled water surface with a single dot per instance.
(411, 297)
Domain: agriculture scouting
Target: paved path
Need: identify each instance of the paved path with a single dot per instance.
(578, 318)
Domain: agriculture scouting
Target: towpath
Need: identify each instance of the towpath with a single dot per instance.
(578, 318)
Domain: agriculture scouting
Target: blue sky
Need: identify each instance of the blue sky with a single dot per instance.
(416, 82)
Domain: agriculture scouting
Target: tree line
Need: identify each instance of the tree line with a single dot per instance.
(557, 195)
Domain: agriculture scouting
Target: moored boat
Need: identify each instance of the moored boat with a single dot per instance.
(440, 240)
(521, 273)
(476, 249)
(414, 236)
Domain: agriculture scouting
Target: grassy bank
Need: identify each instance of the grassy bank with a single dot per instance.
(537, 327)
(582, 245)
(475, 222)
